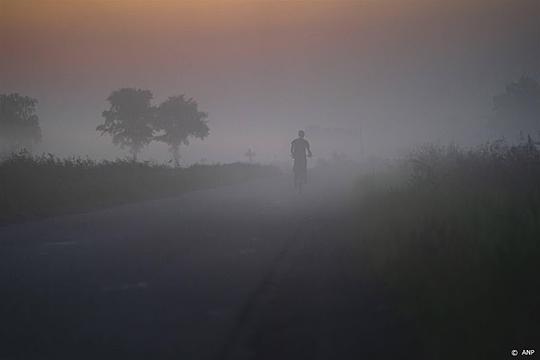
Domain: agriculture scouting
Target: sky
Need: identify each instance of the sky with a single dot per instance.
(368, 77)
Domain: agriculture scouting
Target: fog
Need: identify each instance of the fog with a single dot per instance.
(380, 240)
(399, 72)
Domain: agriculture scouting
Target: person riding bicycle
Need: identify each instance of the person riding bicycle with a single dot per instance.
(299, 150)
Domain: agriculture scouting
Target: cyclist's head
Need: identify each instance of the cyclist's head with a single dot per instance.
(301, 133)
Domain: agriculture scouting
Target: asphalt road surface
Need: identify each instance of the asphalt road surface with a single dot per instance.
(250, 271)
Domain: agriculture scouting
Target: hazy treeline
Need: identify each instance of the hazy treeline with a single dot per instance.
(132, 121)
(35, 186)
(454, 235)
(19, 123)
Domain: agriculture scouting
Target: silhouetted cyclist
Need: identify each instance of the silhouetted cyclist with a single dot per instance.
(300, 151)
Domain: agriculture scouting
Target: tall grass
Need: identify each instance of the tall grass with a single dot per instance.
(455, 235)
(35, 186)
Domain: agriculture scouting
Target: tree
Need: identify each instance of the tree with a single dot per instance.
(250, 154)
(19, 124)
(517, 109)
(177, 120)
(129, 119)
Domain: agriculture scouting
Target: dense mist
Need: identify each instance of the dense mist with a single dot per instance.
(269, 179)
(397, 72)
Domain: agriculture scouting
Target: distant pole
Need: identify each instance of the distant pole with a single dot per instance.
(250, 154)
(361, 139)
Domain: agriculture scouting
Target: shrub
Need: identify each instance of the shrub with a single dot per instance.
(34, 186)
(458, 241)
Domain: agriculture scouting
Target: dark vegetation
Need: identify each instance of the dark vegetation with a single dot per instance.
(36, 186)
(133, 121)
(19, 123)
(455, 236)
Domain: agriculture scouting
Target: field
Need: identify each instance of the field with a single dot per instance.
(37, 186)
(455, 237)
(451, 236)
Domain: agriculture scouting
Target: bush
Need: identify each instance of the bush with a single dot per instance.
(35, 186)
(457, 241)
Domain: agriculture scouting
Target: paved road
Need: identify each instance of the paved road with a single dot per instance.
(251, 271)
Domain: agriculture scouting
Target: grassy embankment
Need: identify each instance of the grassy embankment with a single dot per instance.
(455, 236)
(40, 186)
